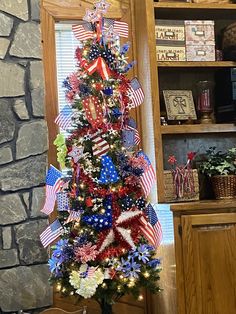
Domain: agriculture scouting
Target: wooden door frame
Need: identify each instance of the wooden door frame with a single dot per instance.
(53, 11)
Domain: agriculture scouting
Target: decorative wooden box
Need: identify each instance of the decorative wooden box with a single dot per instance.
(200, 33)
(171, 53)
(200, 40)
(170, 30)
(170, 195)
(200, 53)
(170, 40)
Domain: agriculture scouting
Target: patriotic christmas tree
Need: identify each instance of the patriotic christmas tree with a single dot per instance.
(108, 232)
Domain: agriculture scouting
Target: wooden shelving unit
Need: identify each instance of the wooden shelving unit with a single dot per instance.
(164, 75)
(193, 6)
(195, 64)
(198, 128)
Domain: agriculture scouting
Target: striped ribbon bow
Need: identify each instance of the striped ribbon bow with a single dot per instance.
(100, 66)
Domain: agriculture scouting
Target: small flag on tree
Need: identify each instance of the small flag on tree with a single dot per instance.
(148, 177)
(131, 126)
(83, 31)
(120, 28)
(64, 119)
(53, 184)
(73, 215)
(155, 223)
(136, 92)
(51, 233)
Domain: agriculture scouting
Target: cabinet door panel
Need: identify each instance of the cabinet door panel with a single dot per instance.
(210, 263)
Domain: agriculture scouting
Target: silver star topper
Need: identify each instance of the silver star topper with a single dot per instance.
(102, 6)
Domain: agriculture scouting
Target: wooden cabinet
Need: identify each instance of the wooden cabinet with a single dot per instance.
(205, 237)
(156, 76)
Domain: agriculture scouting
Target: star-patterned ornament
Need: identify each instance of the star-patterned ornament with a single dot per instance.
(124, 232)
(91, 16)
(112, 132)
(102, 6)
(110, 34)
(76, 153)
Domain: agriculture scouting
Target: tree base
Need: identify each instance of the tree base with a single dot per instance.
(106, 308)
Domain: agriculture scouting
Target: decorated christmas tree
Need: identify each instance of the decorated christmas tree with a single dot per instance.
(108, 233)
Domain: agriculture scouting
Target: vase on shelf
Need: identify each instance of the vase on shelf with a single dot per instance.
(205, 101)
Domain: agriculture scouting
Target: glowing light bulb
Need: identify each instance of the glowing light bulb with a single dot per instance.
(140, 297)
(146, 274)
(58, 287)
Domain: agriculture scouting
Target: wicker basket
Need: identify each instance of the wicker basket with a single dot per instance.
(229, 36)
(224, 186)
(170, 195)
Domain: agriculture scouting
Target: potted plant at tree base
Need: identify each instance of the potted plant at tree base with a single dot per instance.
(221, 168)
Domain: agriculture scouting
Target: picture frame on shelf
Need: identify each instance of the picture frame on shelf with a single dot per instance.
(179, 105)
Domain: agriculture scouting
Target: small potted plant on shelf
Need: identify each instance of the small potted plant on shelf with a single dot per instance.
(221, 168)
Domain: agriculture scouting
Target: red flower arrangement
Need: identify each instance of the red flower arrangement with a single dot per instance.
(182, 175)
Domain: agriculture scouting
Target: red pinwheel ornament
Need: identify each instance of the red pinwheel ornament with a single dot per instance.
(120, 230)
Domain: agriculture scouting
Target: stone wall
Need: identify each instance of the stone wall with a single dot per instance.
(23, 158)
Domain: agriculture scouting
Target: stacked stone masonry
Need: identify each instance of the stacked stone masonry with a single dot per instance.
(23, 160)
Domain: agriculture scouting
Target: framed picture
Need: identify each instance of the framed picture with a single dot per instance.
(179, 105)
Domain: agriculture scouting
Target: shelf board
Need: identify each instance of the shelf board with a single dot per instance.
(198, 128)
(196, 64)
(202, 6)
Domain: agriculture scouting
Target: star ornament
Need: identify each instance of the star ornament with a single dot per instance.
(110, 35)
(102, 6)
(91, 16)
(119, 229)
(76, 153)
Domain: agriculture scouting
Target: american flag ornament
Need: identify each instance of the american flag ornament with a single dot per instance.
(64, 119)
(151, 228)
(73, 216)
(93, 110)
(120, 28)
(100, 146)
(83, 31)
(135, 93)
(53, 185)
(63, 203)
(51, 233)
(148, 177)
(131, 126)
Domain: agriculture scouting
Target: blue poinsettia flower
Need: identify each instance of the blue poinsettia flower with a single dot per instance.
(55, 266)
(132, 269)
(154, 263)
(143, 252)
